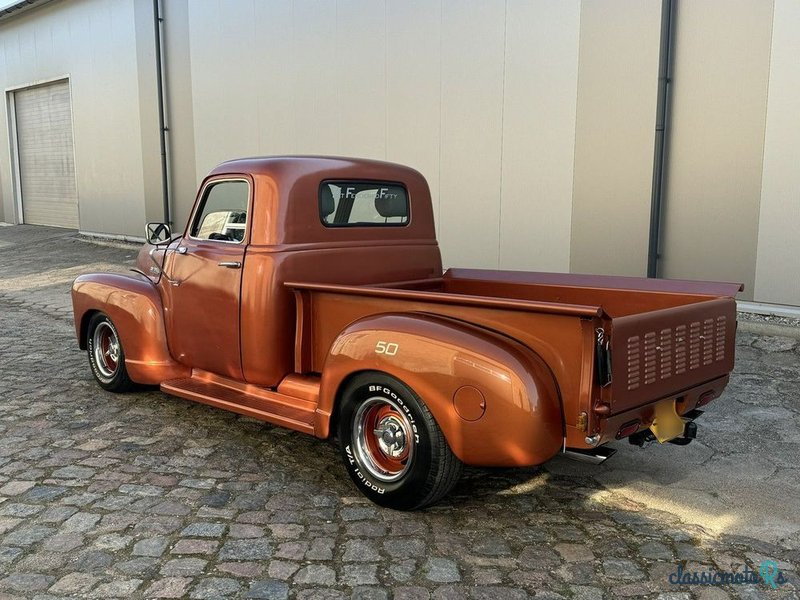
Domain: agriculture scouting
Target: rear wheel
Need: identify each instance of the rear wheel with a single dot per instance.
(106, 356)
(391, 445)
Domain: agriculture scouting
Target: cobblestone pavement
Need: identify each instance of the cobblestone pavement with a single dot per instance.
(148, 496)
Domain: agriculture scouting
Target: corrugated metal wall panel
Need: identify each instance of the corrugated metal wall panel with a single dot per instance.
(46, 155)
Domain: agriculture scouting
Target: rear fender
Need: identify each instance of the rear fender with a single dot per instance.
(133, 303)
(455, 368)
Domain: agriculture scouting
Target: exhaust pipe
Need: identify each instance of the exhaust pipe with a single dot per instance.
(594, 456)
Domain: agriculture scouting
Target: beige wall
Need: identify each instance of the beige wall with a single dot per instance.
(478, 96)
(615, 133)
(778, 263)
(716, 143)
(533, 120)
(93, 42)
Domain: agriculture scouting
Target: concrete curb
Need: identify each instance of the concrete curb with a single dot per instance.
(761, 328)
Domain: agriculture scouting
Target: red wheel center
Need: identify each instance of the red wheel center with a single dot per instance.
(389, 443)
(107, 347)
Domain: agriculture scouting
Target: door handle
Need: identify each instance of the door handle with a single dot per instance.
(231, 264)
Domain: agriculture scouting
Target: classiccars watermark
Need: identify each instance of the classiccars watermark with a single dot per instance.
(768, 573)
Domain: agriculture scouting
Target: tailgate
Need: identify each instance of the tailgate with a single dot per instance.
(660, 353)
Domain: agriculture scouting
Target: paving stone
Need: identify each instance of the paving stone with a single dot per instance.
(64, 542)
(170, 508)
(250, 570)
(150, 547)
(80, 522)
(292, 550)
(194, 547)
(215, 587)
(320, 593)
(241, 530)
(119, 588)
(655, 550)
(9, 554)
(205, 484)
(492, 546)
(169, 587)
(57, 514)
(74, 583)
(15, 488)
(585, 592)
(44, 493)
(8, 523)
(184, 567)
(94, 561)
(143, 566)
(112, 541)
(369, 593)
(25, 536)
(359, 574)
(441, 570)
(204, 530)
(403, 570)
(315, 574)
(321, 549)
(14, 509)
(246, 550)
(141, 490)
(494, 592)
(360, 550)
(282, 569)
(621, 569)
(411, 593)
(402, 547)
(26, 582)
(269, 589)
(575, 552)
(74, 472)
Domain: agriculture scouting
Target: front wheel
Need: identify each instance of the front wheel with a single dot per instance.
(106, 356)
(391, 445)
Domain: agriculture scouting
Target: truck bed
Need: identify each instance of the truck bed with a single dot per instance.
(666, 336)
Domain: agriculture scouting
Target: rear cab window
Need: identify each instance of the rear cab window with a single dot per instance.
(363, 204)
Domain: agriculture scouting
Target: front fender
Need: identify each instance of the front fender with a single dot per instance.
(454, 367)
(133, 303)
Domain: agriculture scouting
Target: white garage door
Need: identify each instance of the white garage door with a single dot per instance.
(46, 157)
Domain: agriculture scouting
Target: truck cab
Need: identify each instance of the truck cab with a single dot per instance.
(294, 219)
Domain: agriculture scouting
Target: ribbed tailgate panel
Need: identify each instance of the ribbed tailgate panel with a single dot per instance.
(657, 354)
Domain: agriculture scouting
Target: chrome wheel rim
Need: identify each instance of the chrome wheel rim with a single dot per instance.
(106, 350)
(383, 439)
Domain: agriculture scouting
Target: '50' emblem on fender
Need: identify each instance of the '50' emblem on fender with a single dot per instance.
(387, 348)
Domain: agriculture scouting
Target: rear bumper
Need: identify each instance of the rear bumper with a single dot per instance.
(686, 401)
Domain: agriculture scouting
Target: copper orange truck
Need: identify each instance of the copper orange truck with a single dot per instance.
(308, 292)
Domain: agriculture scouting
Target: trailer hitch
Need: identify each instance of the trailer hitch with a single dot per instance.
(646, 437)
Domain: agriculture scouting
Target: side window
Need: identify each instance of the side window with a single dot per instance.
(223, 212)
(362, 203)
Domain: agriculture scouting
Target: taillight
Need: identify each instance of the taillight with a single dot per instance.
(628, 429)
(706, 397)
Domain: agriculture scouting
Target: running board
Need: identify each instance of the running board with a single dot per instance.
(293, 412)
(594, 456)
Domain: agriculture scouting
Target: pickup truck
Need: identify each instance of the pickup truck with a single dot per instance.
(308, 292)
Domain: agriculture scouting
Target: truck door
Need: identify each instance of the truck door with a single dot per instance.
(205, 271)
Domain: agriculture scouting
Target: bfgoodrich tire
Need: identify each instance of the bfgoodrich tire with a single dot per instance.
(391, 445)
(106, 356)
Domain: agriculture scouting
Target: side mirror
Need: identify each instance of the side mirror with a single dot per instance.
(158, 234)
